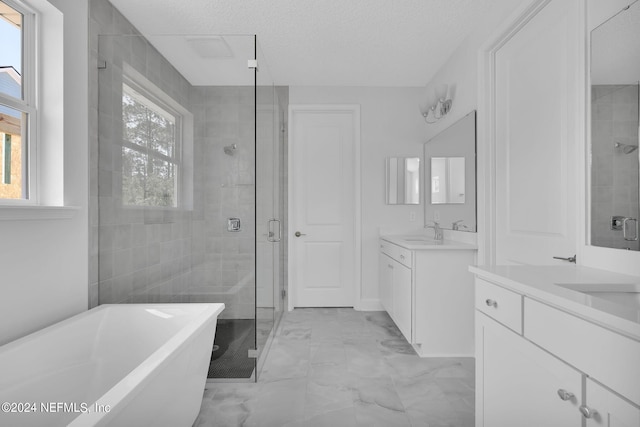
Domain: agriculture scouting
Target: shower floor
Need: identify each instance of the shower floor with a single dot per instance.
(229, 359)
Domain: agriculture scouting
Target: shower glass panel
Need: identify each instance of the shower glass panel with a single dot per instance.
(180, 215)
(269, 225)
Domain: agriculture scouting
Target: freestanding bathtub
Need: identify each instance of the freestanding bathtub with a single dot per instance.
(116, 365)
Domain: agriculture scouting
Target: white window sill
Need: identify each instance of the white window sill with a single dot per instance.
(36, 212)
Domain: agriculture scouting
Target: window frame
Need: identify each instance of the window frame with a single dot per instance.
(27, 104)
(162, 101)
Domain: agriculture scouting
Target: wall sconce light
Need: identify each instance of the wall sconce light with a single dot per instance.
(436, 106)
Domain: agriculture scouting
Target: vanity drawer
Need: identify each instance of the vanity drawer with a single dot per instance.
(606, 356)
(404, 256)
(500, 304)
(396, 252)
(387, 248)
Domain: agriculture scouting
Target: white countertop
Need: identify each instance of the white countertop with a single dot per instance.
(540, 283)
(421, 243)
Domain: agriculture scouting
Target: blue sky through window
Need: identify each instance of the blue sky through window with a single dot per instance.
(10, 45)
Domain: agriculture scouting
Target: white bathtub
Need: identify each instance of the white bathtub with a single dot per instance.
(117, 365)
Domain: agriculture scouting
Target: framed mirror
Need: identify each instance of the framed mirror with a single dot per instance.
(615, 158)
(403, 181)
(450, 167)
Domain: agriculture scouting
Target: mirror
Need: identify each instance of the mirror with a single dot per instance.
(615, 158)
(403, 180)
(450, 165)
(447, 180)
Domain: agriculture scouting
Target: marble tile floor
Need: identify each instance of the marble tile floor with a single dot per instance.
(340, 367)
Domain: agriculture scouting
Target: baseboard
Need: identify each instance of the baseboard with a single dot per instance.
(369, 305)
(421, 354)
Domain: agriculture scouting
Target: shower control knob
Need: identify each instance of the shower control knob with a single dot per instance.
(298, 234)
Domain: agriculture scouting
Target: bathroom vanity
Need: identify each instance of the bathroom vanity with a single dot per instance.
(426, 288)
(556, 346)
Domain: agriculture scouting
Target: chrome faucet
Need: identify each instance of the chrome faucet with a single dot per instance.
(437, 231)
(455, 226)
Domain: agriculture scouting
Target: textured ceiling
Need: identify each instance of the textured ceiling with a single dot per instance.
(328, 42)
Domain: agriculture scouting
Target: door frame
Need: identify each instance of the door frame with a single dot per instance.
(486, 125)
(354, 110)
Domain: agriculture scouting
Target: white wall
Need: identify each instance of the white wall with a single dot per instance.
(391, 125)
(44, 262)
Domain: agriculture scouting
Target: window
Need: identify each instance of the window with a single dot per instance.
(150, 148)
(17, 102)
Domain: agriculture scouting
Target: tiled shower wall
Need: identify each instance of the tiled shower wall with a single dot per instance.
(224, 261)
(614, 174)
(152, 255)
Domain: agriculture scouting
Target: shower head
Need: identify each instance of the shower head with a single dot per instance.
(626, 148)
(230, 150)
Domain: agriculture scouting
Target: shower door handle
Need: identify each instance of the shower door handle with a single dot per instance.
(624, 229)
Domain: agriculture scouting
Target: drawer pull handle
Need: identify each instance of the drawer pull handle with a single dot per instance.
(492, 303)
(587, 412)
(564, 394)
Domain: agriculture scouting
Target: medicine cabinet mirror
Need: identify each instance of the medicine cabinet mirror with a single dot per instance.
(403, 180)
(615, 158)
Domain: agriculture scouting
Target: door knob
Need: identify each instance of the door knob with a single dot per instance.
(298, 234)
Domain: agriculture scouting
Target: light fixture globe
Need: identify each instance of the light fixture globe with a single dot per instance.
(436, 104)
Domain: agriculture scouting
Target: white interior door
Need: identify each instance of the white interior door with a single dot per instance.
(323, 179)
(536, 93)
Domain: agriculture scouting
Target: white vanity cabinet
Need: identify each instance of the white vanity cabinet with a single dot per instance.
(395, 285)
(428, 291)
(521, 385)
(608, 409)
(546, 356)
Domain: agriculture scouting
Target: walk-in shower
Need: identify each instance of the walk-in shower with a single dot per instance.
(183, 142)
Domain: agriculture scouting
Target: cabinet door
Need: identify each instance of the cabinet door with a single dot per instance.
(385, 276)
(536, 118)
(521, 383)
(606, 409)
(402, 299)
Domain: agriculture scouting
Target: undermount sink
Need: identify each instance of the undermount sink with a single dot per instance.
(627, 294)
(422, 240)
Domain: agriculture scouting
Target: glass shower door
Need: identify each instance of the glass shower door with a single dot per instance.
(269, 196)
